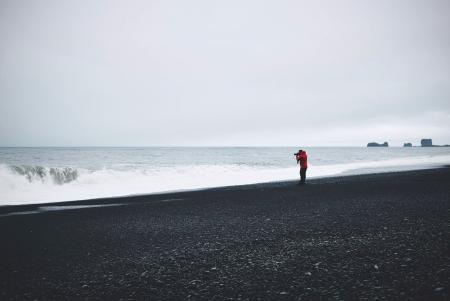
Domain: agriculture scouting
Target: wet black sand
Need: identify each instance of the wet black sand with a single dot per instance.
(384, 236)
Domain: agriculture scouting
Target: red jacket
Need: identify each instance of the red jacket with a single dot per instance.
(303, 158)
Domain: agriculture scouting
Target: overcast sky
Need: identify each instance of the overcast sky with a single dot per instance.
(149, 73)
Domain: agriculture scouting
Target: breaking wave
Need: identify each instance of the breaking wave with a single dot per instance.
(58, 176)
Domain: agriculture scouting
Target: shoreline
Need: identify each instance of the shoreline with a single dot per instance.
(28, 183)
(157, 196)
(375, 236)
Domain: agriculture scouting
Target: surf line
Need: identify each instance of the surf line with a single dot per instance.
(48, 208)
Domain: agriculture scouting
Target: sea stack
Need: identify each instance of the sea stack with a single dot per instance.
(374, 144)
(407, 144)
(426, 142)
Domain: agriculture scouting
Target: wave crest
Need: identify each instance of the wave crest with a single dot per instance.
(58, 176)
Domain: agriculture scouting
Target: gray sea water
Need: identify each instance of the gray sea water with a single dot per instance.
(35, 175)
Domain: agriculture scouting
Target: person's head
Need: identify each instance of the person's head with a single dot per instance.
(300, 151)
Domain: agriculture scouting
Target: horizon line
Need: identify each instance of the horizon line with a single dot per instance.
(186, 146)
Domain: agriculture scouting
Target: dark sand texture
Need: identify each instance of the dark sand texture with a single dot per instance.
(384, 236)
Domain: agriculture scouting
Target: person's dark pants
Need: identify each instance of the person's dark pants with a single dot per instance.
(302, 175)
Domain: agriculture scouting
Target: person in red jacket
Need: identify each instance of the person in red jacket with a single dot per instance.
(302, 158)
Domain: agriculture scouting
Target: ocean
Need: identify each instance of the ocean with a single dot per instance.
(38, 175)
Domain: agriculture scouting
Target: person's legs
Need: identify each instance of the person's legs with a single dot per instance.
(302, 175)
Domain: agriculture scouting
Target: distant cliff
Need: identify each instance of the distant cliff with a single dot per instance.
(407, 144)
(429, 143)
(374, 144)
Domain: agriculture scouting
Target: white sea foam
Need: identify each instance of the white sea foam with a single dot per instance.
(25, 184)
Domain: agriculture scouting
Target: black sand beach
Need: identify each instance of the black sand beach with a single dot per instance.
(381, 236)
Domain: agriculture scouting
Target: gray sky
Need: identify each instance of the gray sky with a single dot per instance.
(135, 73)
